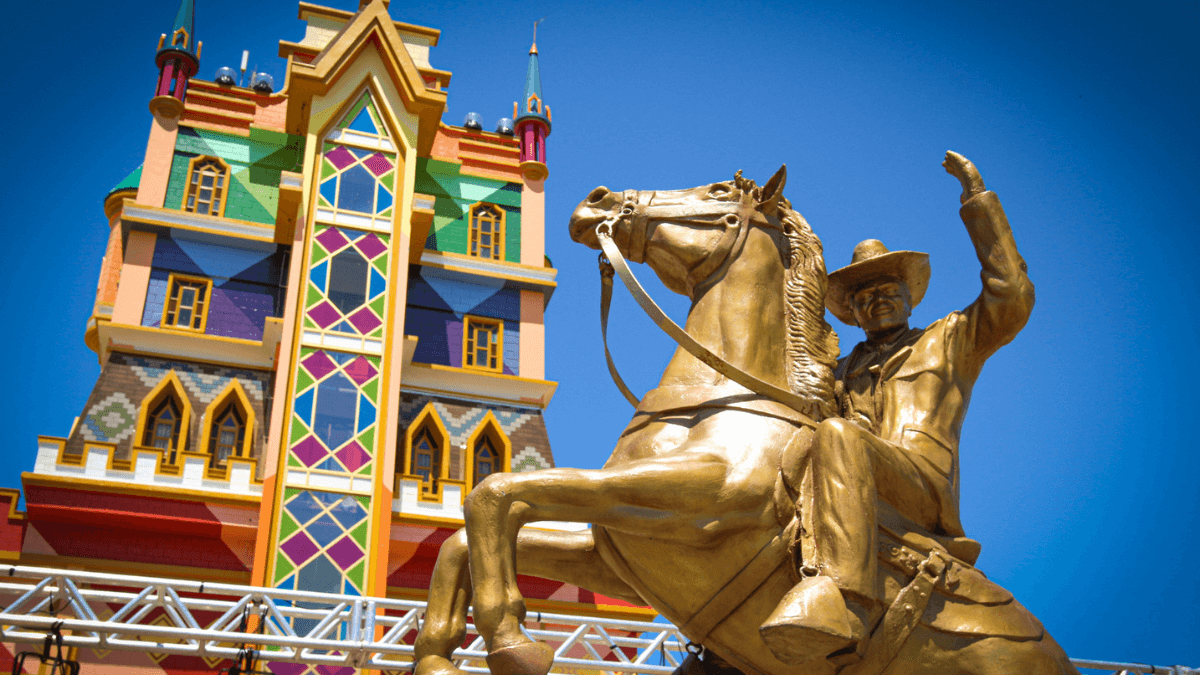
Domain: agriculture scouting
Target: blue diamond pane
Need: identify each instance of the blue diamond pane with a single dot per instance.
(327, 498)
(357, 190)
(342, 358)
(333, 419)
(378, 283)
(384, 199)
(348, 512)
(318, 274)
(323, 530)
(363, 122)
(360, 153)
(366, 413)
(349, 589)
(329, 189)
(330, 464)
(303, 406)
(303, 507)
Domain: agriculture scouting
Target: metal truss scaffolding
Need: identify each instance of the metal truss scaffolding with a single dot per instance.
(212, 620)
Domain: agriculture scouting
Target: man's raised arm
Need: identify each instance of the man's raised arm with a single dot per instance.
(1003, 307)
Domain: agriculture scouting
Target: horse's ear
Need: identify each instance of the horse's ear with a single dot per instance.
(773, 190)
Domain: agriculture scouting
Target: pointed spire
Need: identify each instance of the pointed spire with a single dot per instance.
(183, 34)
(532, 123)
(532, 105)
(186, 17)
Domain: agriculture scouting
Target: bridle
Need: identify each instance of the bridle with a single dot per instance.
(637, 211)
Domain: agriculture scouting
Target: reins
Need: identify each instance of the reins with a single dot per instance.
(611, 261)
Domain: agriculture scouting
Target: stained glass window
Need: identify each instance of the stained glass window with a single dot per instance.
(358, 171)
(348, 280)
(227, 435)
(206, 186)
(482, 343)
(487, 231)
(187, 304)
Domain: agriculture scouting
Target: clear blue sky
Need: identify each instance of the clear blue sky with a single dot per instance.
(1079, 460)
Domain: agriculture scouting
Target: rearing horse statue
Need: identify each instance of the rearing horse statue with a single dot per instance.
(692, 514)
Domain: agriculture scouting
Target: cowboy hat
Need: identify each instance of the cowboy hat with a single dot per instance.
(872, 260)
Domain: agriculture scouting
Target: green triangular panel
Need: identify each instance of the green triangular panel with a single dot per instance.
(377, 304)
(364, 502)
(327, 169)
(365, 471)
(355, 574)
(303, 380)
(360, 534)
(292, 461)
(318, 254)
(308, 323)
(287, 525)
(371, 389)
(367, 438)
(380, 263)
(314, 295)
(283, 567)
(299, 430)
(387, 180)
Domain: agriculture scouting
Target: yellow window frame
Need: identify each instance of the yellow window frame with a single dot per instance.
(488, 427)
(191, 193)
(479, 214)
(171, 305)
(429, 421)
(495, 347)
(169, 385)
(235, 394)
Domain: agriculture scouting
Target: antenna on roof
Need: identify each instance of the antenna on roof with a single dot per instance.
(245, 58)
(533, 49)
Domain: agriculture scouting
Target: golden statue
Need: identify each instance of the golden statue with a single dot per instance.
(791, 521)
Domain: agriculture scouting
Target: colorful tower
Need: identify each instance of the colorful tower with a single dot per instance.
(178, 60)
(531, 116)
(320, 324)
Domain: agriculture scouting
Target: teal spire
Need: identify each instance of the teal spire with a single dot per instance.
(183, 33)
(532, 105)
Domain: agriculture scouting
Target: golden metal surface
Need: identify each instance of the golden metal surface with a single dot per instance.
(761, 481)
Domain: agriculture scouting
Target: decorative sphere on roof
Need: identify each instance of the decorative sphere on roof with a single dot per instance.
(473, 121)
(226, 76)
(504, 126)
(262, 83)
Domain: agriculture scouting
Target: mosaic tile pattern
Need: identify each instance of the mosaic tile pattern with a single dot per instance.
(529, 459)
(454, 194)
(347, 282)
(437, 303)
(110, 420)
(110, 414)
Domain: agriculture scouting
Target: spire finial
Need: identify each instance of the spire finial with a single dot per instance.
(533, 49)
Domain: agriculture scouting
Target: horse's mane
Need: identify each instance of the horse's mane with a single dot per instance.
(812, 345)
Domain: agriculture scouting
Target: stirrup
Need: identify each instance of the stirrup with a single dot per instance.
(812, 621)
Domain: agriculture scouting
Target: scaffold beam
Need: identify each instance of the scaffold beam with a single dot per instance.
(214, 620)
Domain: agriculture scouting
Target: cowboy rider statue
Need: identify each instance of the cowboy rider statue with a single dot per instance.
(902, 396)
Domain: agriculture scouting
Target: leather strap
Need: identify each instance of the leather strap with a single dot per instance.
(901, 618)
(681, 337)
(606, 288)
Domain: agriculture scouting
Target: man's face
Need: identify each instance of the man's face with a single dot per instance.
(881, 305)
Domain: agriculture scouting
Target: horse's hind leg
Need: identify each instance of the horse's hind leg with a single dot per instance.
(562, 556)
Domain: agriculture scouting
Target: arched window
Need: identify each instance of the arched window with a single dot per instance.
(229, 422)
(163, 420)
(207, 183)
(489, 451)
(487, 231)
(227, 435)
(425, 454)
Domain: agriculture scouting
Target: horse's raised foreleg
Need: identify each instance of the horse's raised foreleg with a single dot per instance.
(569, 557)
(666, 498)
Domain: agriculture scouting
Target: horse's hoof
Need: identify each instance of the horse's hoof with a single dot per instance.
(436, 665)
(527, 658)
(811, 622)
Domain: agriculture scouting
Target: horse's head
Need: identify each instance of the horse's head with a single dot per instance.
(686, 236)
(690, 238)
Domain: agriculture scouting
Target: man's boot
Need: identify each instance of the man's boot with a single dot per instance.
(812, 621)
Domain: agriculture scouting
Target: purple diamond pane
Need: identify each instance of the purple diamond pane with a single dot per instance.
(335, 670)
(300, 548)
(360, 370)
(324, 314)
(378, 164)
(345, 552)
(340, 157)
(281, 668)
(318, 364)
(364, 320)
(310, 451)
(371, 246)
(353, 456)
(332, 239)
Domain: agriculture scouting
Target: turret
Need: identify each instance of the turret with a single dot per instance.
(531, 116)
(178, 59)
